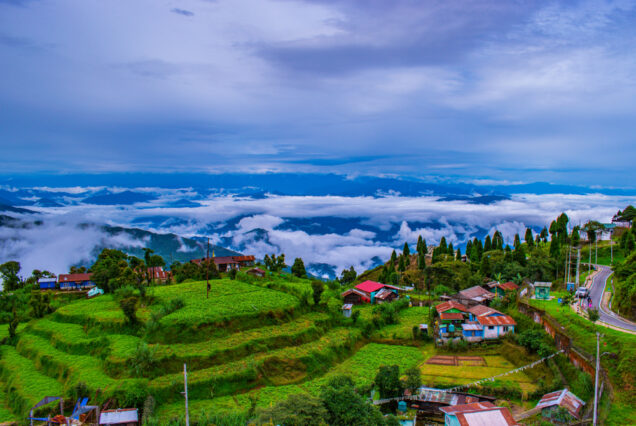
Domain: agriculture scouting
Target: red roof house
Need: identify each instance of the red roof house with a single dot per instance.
(478, 414)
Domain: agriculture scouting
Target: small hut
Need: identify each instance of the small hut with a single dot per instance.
(346, 310)
(542, 290)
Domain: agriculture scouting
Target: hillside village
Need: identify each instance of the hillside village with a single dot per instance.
(497, 335)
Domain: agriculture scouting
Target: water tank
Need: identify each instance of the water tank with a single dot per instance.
(451, 328)
(402, 406)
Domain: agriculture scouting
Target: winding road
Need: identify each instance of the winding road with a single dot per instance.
(596, 293)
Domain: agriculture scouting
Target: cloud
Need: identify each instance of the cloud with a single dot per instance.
(182, 12)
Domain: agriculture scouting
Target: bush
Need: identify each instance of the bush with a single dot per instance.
(129, 307)
(143, 362)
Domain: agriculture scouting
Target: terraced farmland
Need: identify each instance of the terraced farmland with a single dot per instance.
(247, 343)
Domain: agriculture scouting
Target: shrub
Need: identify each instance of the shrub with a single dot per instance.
(129, 307)
(143, 361)
(592, 315)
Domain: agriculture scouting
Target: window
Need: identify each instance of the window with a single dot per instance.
(505, 329)
(491, 327)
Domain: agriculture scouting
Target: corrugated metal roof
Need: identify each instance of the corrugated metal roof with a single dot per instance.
(47, 280)
(63, 278)
(119, 416)
(451, 316)
(446, 306)
(500, 320)
(563, 398)
(498, 416)
(472, 326)
(481, 310)
(347, 306)
(542, 284)
(477, 292)
(383, 294)
(369, 286)
(467, 407)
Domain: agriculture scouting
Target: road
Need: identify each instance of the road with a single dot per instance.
(596, 292)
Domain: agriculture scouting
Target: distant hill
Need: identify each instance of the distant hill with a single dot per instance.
(119, 198)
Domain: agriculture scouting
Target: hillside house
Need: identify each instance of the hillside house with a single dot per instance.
(223, 263)
(499, 289)
(370, 292)
(451, 316)
(476, 295)
(47, 283)
(496, 326)
(551, 402)
(477, 414)
(244, 260)
(542, 290)
(75, 281)
(158, 275)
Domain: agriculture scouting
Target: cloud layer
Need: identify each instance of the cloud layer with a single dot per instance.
(506, 90)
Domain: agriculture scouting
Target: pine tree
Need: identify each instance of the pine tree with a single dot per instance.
(401, 264)
(421, 261)
(419, 244)
(406, 252)
(459, 254)
(488, 243)
(544, 234)
(517, 241)
(529, 239)
(576, 236)
(424, 249)
(451, 250)
(469, 248)
(442, 245)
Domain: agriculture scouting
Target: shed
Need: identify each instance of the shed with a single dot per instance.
(550, 402)
(346, 310)
(120, 416)
(355, 297)
(257, 272)
(47, 283)
(477, 414)
(542, 290)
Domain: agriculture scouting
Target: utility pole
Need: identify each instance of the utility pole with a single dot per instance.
(207, 272)
(566, 270)
(598, 365)
(611, 248)
(578, 263)
(596, 250)
(185, 384)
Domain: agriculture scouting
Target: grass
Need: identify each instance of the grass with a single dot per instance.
(24, 384)
(409, 317)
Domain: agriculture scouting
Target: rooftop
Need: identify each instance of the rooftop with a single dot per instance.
(563, 398)
(447, 306)
(499, 320)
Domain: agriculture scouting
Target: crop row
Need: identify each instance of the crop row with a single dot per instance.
(289, 364)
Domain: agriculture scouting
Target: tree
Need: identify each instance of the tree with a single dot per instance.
(451, 251)
(318, 287)
(488, 243)
(406, 252)
(528, 238)
(345, 406)
(40, 304)
(401, 264)
(298, 268)
(544, 234)
(421, 261)
(459, 254)
(388, 381)
(413, 379)
(348, 276)
(442, 245)
(296, 410)
(10, 279)
(517, 241)
(393, 258)
(143, 361)
(593, 315)
(576, 237)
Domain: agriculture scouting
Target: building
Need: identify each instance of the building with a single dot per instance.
(550, 403)
(75, 281)
(542, 290)
(257, 272)
(244, 260)
(370, 292)
(477, 414)
(451, 316)
(158, 275)
(497, 326)
(121, 416)
(47, 283)
(223, 264)
(346, 310)
(473, 296)
(501, 289)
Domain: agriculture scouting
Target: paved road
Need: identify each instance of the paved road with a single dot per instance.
(596, 292)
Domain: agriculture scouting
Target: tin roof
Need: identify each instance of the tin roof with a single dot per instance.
(451, 316)
(477, 293)
(347, 306)
(47, 280)
(563, 398)
(542, 284)
(480, 414)
(369, 286)
(355, 291)
(481, 310)
(383, 294)
(446, 306)
(472, 326)
(509, 286)
(119, 416)
(63, 278)
(500, 320)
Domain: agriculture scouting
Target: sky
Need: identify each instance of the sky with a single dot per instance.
(499, 90)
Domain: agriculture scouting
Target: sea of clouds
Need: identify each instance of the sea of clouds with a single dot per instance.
(358, 231)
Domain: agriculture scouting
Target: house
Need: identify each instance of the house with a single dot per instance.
(451, 306)
(75, 281)
(244, 260)
(370, 292)
(346, 310)
(47, 283)
(451, 316)
(542, 290)
(158, 275)
(354, 296)
(121, 416)
(477, 414)
(551, 402)
(496, 326)
(473, 296)
(257, 272)
(430, 400)
(223, 263)
(501, 289)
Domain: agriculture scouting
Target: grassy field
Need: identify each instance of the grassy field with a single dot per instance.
(409, 318)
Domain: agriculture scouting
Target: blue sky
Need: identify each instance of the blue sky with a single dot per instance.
(503, 90)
